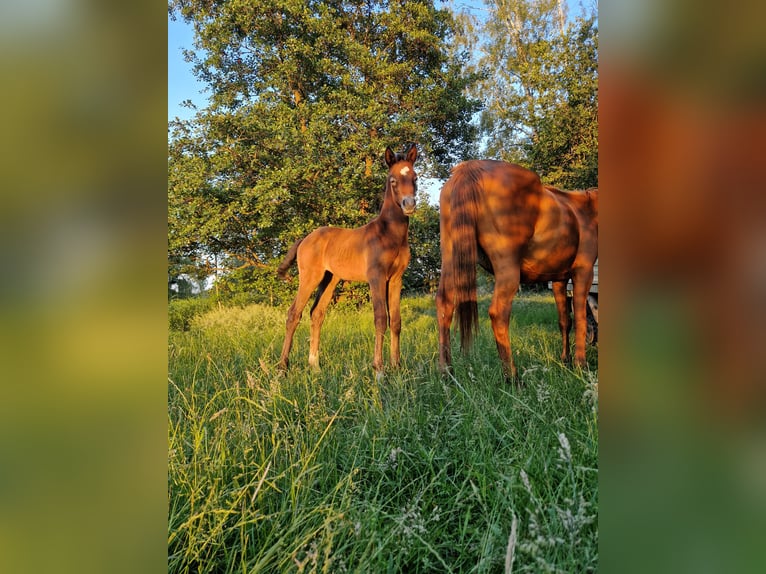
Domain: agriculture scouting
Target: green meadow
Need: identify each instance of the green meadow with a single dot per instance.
(333, 472)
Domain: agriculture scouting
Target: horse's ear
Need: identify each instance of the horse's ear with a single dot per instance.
(390, 157)
(412, 153)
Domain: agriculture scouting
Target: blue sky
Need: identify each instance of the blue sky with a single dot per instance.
(182, 85)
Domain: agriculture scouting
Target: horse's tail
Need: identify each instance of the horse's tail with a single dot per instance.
(465, 196)
(289, 259)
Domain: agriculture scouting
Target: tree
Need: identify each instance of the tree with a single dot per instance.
(541, 90)
(423, 273)
(305, 97)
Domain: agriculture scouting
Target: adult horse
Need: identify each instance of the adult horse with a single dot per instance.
(499, 215)
(377, 253)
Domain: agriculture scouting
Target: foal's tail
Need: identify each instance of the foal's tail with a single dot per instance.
(465, 195)
(289, 259)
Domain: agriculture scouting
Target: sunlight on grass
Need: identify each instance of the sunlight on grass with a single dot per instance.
(329, 471)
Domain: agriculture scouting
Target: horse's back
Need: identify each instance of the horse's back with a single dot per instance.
(582, 204)
(497, 178)
(516, 218)
(500, 185)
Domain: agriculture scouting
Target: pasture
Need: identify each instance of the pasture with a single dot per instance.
(331, 472)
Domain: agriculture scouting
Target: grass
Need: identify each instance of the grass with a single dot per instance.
(332, 472)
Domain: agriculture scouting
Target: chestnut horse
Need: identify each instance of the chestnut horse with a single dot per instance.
(499, 215)
(377, 253)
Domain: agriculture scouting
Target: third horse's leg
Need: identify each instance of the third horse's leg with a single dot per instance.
(581, 285)
(565, 321)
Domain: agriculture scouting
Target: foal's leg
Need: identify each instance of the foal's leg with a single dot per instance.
(395, 317)
(308, 282)
(506, 285)
(324, 294)
(378, 296)
(565, 321)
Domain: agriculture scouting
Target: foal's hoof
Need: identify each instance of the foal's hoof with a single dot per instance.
(379, 376)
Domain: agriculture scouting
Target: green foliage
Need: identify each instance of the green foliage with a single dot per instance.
(422, 275)
(565, 146)
(182, 311)
(541, 90)
(304, 99)
(334, 472)
(255, 285)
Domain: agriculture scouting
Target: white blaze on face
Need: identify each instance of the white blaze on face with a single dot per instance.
(405, 170)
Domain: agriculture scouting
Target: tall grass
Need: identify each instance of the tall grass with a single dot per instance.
(331, 472)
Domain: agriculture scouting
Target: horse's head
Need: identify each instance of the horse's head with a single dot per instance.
(402, 179)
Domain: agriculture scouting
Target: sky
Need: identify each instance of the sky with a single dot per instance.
(182, 85)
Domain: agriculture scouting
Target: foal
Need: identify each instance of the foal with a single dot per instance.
(377, 253)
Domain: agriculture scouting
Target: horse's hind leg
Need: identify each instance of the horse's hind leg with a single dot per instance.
(565, 322)
(308, 282)
(506, 285)
(445, 309)
(318, 310)
(581, 286)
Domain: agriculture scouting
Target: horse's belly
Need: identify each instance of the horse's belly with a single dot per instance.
(547, 265)
(342, 256)
(348, 270)
(537, 276)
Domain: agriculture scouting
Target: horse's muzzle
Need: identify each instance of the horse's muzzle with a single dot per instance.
(408, 205)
